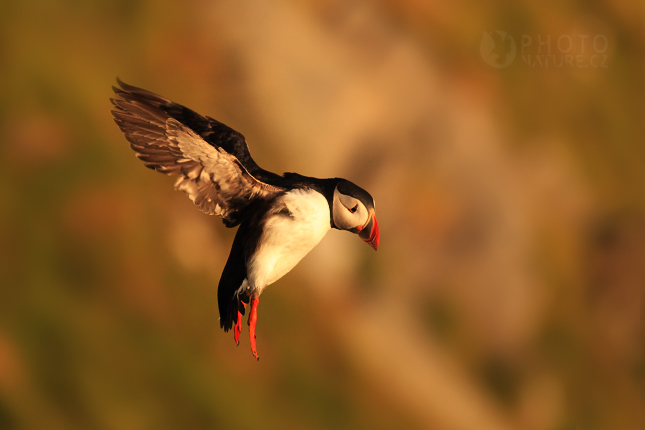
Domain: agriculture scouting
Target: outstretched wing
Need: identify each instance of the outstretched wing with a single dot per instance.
(212, 131)
(214, 179)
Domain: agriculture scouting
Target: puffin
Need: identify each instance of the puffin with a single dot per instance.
(280, 217)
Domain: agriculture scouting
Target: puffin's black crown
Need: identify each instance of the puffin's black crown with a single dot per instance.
(350, 189)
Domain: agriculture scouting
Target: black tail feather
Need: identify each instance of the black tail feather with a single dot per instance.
(229, 298)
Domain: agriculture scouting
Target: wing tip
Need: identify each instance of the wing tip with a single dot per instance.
(124, 87)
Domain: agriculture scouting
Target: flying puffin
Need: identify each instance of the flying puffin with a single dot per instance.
(280, 218)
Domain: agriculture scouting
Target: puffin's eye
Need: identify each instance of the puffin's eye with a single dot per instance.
(352, 210)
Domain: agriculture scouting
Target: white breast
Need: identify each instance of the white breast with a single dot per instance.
(287, 239)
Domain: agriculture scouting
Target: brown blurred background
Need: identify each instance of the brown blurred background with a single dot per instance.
(509, 287)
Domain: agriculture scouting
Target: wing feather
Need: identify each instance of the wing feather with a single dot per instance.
(215, 180)
(212, 131)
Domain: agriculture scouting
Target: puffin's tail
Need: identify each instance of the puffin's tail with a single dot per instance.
(229, 298)
(230, 303)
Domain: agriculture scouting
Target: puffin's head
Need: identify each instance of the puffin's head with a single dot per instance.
(353, 210)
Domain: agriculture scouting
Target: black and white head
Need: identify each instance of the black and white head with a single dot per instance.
(353, 210)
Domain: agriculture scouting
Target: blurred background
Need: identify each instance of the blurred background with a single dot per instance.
(509, 286)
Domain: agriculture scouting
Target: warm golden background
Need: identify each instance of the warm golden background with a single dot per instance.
(509, 287)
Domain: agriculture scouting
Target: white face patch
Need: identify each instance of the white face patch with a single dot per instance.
(348, 212)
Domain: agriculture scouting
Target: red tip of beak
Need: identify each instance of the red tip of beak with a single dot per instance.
(372, 228)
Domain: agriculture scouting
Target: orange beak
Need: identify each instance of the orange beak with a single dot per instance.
(369, 232)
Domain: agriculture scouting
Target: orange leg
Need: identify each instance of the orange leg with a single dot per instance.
(238, 326)
(253, 319)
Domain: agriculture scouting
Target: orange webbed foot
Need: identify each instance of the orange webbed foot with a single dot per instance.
(253, 319)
